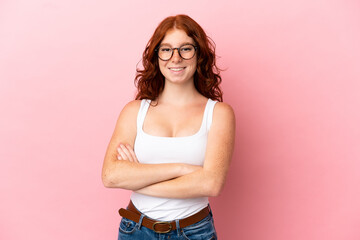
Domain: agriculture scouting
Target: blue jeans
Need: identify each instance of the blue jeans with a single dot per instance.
(202, 230)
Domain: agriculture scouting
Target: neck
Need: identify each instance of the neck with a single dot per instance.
(178, 94)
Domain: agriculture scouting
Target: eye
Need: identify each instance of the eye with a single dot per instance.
(165, 49)
(186, 48)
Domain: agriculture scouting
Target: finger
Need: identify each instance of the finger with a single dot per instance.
(126, 151)
(132, 153)
(122, 154)
(119, 157)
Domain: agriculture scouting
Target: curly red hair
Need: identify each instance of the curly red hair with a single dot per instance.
(149, 80)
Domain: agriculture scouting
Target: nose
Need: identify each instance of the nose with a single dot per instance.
(176, 56)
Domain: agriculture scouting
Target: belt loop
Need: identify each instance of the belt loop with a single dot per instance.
(177, 227)
(211, 214)
(140, 220)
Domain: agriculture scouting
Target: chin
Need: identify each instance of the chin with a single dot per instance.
(178, 80)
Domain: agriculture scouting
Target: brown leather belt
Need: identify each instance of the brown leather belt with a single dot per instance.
(133, 214)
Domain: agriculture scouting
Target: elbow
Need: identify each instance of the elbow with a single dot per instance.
(108, 184)
(215, 191)
(107, 180)
(214, 187)
(110, 180)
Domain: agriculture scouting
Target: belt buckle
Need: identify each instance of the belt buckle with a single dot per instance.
(166, 231)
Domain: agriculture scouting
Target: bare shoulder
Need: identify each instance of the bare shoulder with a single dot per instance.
(132, 106)
(130, 110)
(223, 112)
(128, 115)
(125, 129)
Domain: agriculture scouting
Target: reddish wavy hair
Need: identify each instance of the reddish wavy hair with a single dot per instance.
(150, 81)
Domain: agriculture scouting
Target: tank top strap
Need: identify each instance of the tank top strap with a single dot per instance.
(209, 113)
(144, 106)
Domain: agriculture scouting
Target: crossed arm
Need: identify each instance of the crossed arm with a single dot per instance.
(121, 168)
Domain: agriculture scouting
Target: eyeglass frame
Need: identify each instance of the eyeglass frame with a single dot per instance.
(178, 48)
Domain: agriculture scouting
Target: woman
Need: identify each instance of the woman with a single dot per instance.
(172, 146)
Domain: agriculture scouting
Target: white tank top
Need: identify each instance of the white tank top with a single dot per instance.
(151, 149)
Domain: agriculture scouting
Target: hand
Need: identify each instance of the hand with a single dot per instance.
(125, 152)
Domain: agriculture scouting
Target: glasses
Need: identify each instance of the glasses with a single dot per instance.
(186, 51)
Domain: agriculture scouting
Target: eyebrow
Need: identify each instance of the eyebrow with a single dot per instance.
(184, 43)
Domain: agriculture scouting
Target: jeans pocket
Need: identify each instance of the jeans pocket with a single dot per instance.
(203, 230)
(127, 226)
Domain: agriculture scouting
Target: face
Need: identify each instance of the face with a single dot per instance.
(176, 69)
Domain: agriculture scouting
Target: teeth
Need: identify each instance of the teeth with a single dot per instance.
(176, 69)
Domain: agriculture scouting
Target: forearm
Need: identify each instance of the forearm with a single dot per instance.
(134, 176)
(200, 183)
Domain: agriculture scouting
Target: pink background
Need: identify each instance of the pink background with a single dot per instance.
(292, 76)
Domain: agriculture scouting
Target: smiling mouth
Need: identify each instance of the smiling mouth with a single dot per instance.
(177, 69)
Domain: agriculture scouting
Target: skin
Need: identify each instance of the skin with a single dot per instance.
(178, 113)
